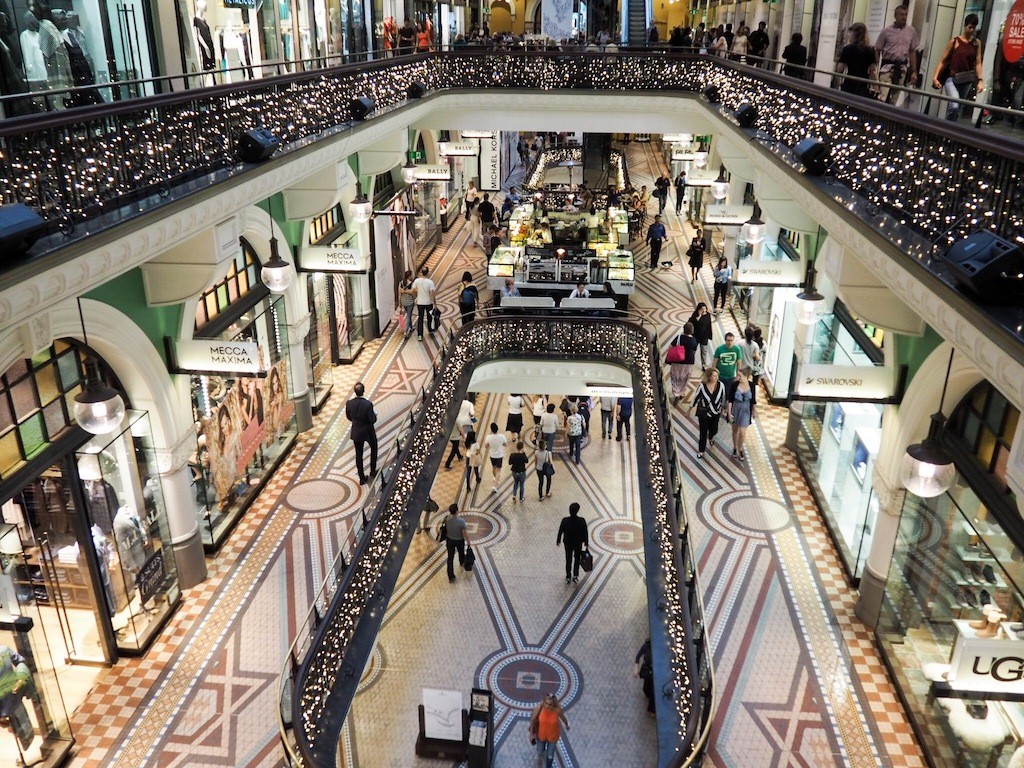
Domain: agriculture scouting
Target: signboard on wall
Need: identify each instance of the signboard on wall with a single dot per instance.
(771, 272)
(726, 215)
(490, 164)
(441, 172)
(205, 355)
(458, 148)
(844, 382)
(329, 258)
(991, 665)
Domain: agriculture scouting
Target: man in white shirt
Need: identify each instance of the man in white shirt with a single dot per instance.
(425, 289)
(495, 444)
(580, 291)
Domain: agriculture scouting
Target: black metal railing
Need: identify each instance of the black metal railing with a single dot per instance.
(322, 673)
(80, 164)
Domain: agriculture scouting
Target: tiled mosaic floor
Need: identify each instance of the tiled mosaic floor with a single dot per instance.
(800, 682)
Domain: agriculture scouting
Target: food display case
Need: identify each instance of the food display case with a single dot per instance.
(621, 269)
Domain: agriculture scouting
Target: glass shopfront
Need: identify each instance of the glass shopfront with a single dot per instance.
(35, 729)
(245, 425)
(954, 555)
(74, 43)
(86, 570)
(839, 441)
(318, 341)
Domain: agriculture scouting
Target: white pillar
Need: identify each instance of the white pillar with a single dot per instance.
(182, 508)
(827, 41)
(876, 567)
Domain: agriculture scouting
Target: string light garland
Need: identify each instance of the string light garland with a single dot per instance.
(329, 668)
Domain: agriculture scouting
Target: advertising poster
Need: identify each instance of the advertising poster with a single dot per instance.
(250, 413)
(556, 19)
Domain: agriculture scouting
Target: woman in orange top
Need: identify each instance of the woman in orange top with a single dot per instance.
(545, 727)
(424, 40)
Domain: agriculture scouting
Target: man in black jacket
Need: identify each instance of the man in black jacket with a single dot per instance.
(360, 412)
(574, 530)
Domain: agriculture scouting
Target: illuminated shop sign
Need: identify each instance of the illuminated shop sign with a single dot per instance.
(208, 355)
(330, 258)
(851, 382)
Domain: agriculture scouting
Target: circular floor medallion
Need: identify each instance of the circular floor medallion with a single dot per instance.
(757, 514)
(521, 680)
(619, 537)
(316, 495)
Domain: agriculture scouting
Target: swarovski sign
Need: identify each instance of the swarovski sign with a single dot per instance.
(775, 272)
(838, 382)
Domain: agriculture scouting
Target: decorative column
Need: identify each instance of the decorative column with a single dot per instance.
(883, 540)
(298, 330)
(182, 507)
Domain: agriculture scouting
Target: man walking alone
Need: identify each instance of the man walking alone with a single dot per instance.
(573, 530)
(360, 412)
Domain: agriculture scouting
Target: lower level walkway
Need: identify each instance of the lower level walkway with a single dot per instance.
(799, 681)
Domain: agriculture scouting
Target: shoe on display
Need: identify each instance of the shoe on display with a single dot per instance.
(989, 574)
(978, 623)
(967, 598)
(990, 631)
(985, 597)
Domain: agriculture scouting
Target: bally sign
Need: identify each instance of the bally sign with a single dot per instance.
(851, 382)
(433, 172)
(206, 355)
(330, 258)
(756, 272)
(993, 665)
(458, 148)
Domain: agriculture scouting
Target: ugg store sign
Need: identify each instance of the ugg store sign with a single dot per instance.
(993, 665)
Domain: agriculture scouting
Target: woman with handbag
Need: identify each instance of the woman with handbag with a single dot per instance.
(546, 727)
(474, 460)
(545, 469)
(708, 400)
(681, 357)
(407, 300)
(958, 73)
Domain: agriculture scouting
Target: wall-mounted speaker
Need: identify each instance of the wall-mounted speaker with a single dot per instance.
(20, 227)
(361, 107)
(257, 145)
(746, 115)
(712, 94)
(416, 90)
(986, 263)
(814, 154)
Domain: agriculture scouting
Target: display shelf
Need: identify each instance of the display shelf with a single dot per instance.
(969, 555)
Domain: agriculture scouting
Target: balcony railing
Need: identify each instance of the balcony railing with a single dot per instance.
(322, 673)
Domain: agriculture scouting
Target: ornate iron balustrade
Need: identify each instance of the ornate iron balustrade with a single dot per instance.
(323, 684)
(929, 172)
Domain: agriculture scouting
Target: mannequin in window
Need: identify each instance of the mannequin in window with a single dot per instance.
(101, 499)
(78, 54)
(15, 686)
(11, 80)
(103, 552)
(32, 57)
(130, 535)
(203, 36)
(55, 53)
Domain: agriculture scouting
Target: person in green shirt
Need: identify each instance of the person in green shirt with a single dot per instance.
(727, 360)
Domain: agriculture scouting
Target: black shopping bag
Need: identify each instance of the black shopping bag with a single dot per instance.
(470, 559)
(586, 561)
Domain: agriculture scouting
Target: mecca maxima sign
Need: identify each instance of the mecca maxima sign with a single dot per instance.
(330, 258)
(850, 382)
(207, 355)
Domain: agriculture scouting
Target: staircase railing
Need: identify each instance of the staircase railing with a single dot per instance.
(322, 681)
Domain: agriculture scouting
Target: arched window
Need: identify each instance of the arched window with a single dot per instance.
(242, 276)
(37, 400)
(983, 426)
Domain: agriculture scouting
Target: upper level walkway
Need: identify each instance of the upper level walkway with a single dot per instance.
(130, 179)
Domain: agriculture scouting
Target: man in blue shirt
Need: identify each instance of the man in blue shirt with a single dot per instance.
(656, 234)
(510, 289)
(624, 406)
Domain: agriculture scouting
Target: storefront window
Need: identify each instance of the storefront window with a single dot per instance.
(318, 340)
(245, 424)
(35, 723)
(128, 528)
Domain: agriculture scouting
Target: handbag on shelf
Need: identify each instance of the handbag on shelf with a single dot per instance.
(586, 560)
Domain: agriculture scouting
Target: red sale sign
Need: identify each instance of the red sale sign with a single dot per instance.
(1013, 33)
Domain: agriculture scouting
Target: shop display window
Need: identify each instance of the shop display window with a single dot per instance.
(128, 530)
(34, 727)
(244, 424)
(837, 446)
(951, 558)
(318, 340)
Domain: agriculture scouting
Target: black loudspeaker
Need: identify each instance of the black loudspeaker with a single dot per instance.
(361, 107)
(20, 227)
(257, 145)
(814, 154)
(984, 261)
(416, 90)
(746, 115)
(712, 94)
